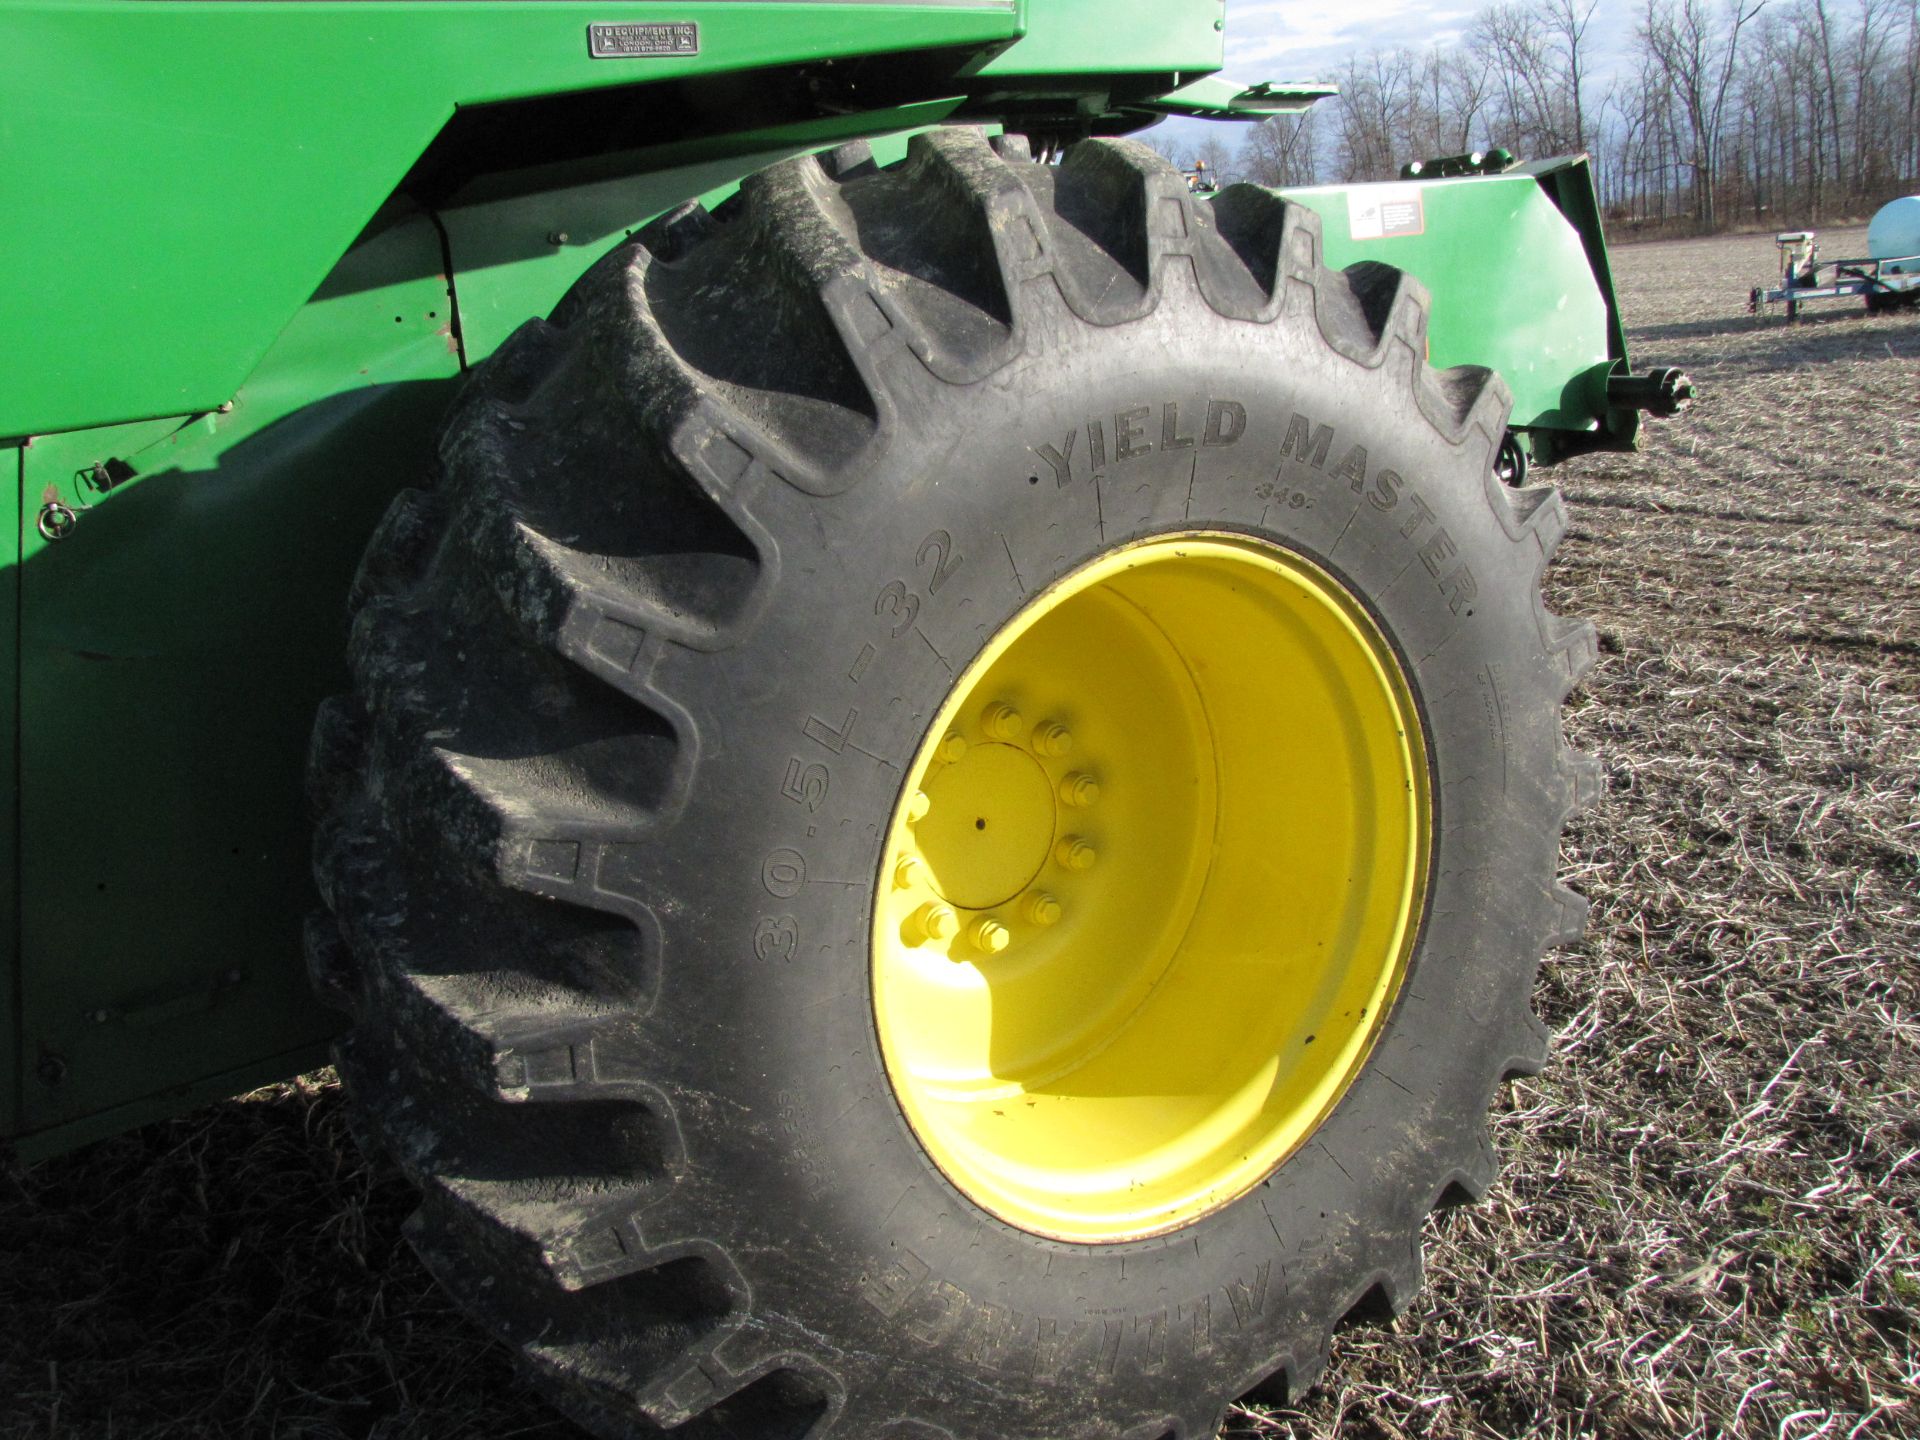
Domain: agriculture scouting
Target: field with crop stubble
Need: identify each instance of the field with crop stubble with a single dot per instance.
(1709, 1219)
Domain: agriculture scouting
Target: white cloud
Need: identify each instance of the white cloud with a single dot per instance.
(1312, 40)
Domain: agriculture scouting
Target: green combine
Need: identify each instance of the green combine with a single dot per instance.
(926, 768)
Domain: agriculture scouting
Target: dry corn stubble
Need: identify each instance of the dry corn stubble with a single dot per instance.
(1710, 1217)
(1707, 1223)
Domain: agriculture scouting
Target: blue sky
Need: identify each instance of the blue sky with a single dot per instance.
(1305, 40)
(1312, 39)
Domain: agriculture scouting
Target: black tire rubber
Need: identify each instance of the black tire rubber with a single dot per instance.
(608, 961)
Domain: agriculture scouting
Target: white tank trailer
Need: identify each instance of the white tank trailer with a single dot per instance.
(1893, 235)
(1887, 277)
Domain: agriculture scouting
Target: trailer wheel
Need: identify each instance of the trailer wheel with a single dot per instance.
(950, 809)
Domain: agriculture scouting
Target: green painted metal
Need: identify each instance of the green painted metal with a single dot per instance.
(157, 154)
(1118, 38)
(1569, 182)
(1213, 97)
(174, 646)
(1512, 284)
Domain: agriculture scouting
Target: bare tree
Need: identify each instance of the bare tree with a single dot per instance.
(1371, 97)
(1281, 151)
(1214, 153)
(1696, 49)
(1466, 84)
(1724, 113)
(1514, 40)
(1873, 143)
(1909, 144)
(1160, 140)
(1821, 34)
(1567, 24)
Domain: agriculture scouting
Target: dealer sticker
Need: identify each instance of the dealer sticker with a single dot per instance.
(1380, 212)
(630, 41)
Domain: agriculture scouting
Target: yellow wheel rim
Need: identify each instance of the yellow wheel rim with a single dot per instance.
(1151, 887)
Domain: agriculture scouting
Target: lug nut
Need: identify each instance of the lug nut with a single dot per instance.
(917, 807)
(1079, 790)
(991, 936)
(1052, 738)
(906, 872)
(1075, 853)
(1042, 909)
(951, 748)
(1003, 722)
(937, 922)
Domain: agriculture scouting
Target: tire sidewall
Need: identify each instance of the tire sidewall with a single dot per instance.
(806, 1158)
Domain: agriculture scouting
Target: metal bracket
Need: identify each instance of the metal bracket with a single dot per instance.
(107, 475)
(1450, 167)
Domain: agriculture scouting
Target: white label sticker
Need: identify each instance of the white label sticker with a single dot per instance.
(1380, 212)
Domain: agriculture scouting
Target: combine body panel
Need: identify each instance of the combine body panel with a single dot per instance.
(160, 291)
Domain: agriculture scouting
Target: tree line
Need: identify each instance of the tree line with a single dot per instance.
(1775, 112)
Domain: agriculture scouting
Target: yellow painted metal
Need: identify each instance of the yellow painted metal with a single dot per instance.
(1151, 887)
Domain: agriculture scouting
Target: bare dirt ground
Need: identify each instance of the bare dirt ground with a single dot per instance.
(1709, 1221)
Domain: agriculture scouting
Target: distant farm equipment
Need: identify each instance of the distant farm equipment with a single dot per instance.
(1888, 276)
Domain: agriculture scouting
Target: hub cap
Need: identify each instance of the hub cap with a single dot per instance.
(1151, 887)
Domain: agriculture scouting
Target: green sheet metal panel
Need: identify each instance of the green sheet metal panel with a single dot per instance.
(1512, 283)
(181, 175)
(174, 646)
(1569, 182)
(1119, 37)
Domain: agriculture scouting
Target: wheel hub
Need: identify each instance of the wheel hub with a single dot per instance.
(989, 824)
(1150, 888)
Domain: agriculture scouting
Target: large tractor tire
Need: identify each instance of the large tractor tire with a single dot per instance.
(950, 809)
